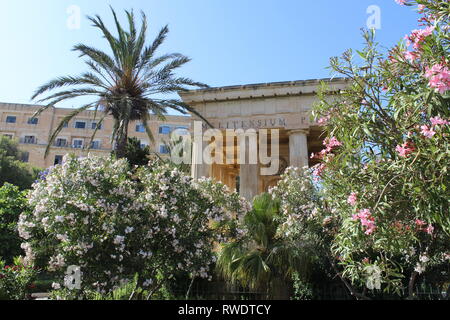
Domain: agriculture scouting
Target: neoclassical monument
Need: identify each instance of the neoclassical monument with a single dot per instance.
(284, 106)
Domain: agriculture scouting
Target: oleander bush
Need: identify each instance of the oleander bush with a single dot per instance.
(384, 169)
(112, 223)
(12, 203)
(16, 280)
(12, 169)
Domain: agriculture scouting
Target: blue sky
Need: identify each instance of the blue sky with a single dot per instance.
(230, 41)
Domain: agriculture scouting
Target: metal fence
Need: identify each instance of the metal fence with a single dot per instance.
(217, 290)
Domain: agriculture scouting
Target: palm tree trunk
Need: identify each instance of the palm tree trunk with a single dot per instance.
(189, 289)
(122, 139)
(412, 282)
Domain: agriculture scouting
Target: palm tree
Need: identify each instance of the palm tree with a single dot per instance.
(262, 260)
(129, 85)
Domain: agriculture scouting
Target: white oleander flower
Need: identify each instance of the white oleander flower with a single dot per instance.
(56, 286)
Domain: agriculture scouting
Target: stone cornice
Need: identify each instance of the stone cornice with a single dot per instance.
(261, 90)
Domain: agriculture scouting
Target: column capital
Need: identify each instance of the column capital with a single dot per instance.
(298, 131)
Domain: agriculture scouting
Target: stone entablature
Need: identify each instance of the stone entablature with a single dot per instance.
(261, 90)
(284, 105)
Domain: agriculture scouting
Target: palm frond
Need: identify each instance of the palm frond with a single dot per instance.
(149, 132)
(99, 57)
(66, 119)
(150, 50)
(60, 82)
(99, 123)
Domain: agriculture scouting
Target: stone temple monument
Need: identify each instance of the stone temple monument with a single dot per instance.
(280, 110)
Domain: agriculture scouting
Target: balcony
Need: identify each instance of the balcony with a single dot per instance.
(96, 145)
(28, 140)
(61, 144)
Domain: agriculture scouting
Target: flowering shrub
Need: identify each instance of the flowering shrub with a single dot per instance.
(386, 175)
(299, 202)
(12, 203)
(16, 280)
(113, 223)
(234, 206)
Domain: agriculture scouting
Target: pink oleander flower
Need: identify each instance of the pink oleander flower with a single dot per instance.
(420, 223)
(421, 8)
(366, 219)
(429, 229)
(427, 132)
(405, 149)
(436, 121)
(318, 170)
(401, 2)
(331, 143)
(418, 36)
(370, 229)
(438, 77)
(364, 214)
(410, 56)
(320, 155)
(352, 199)
(323, 121)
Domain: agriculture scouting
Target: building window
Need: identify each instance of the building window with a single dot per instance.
(182, 131)
(80, 125)
(95, 144)
(33, 121)
(164, 130)
(143, 144)
(65, 124)
(7, 135)
(24, 156)
(58, 160)
(163, 149)
(29, 140)
(60, 142)
(11, 119)
(77, 143)
(140, 128)
(95, 125)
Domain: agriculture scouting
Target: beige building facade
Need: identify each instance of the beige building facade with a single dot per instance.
(33, 135)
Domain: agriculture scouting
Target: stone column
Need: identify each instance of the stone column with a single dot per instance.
(298, 148)
(248, 178)
(199, 168)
